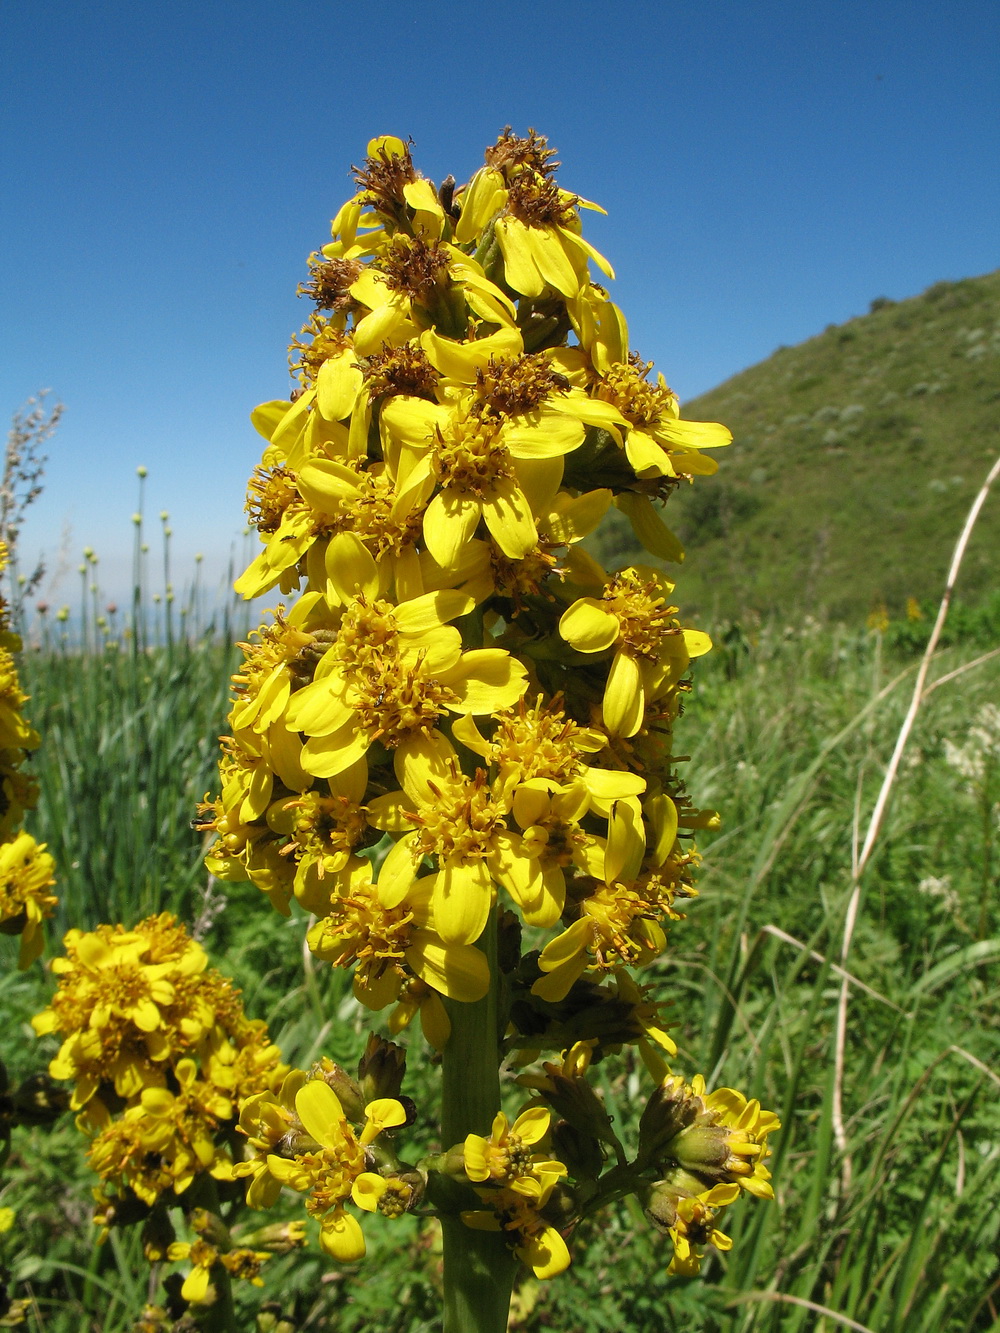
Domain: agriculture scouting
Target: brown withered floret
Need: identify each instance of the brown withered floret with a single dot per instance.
(510, 154)
(382, 178)
(403, 370)
(538, 203)
(412, 266)
(330, 281)
(524, 578)
(509, 387)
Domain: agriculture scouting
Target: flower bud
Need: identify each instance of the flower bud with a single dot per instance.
(581, 1152)
(347, 1090)
(381, 1069)
(211, 1228)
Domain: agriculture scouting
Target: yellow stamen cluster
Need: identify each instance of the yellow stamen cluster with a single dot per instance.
(461, 708)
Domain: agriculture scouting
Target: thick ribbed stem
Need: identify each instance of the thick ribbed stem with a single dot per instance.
(478, 1265)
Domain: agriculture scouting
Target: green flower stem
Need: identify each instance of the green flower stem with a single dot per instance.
(478, 1265)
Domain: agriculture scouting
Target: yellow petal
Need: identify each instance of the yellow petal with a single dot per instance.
(646, 455)
(566, 946)
(338, 382)
(606, 785)
(461, 898)
(697, 642)
(432, 610)
(321, 1113)
(434, 1021)
(519, 264)
(342, 1238)
(351, 567)
(459, 971)
(319, 708)
(449, 521)
(554, 263)
(624, 697)
(551, 436)
(532, 1125)
(508, 516)
(663, 817)
(327, 485)
(367, 1189)
(482, 199)
(588, 627)
(460, 360)
(195, 1287)
(695, 434)
(572, 518)
(626, 841)
(647, 525)
(486, 680)
(558, 983)
(267, 416)
(464, 729)
(545, 1253)
(422, 760)
(397, 872)
(388, 324)
(325, 756)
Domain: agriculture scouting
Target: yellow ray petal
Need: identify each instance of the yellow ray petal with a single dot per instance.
(624, 697)
(509, 518)
(459, 971)
(321, 1113)
(588, 627)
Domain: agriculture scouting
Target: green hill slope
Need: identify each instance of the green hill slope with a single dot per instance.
(855, 458)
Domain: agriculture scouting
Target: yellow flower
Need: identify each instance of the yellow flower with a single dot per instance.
(16, 733)
(461, 823)
(388, 943)
(203, 1258)
(393, 671)
(538, 230)
(330, 1171)
(713, 1137)
(535, 1242)
(506, 1157)
(651, 650)
(25, 875)
(689, 1220)
(116, 998)
(658, 443)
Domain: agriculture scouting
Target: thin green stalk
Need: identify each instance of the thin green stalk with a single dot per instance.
(478, 1265)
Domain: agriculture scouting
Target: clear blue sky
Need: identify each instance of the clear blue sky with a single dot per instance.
(768, 166)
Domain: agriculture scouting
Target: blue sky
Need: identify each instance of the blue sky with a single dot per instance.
(769, 167)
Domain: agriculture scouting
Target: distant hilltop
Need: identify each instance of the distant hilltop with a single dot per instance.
(856, 456)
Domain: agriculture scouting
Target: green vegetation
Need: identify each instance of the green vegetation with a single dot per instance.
(790, 732)
(856, 456)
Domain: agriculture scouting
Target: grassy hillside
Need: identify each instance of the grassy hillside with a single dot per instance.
(856, 456)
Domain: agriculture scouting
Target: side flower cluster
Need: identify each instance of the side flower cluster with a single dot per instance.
(462, 717)
(157, 1046)
(26, 868)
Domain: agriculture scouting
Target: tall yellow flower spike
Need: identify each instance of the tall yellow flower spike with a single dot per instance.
(462, 724)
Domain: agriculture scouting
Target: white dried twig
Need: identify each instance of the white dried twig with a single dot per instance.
(878, 815)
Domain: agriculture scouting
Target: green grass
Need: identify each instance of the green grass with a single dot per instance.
(789, 732)
(856, 456)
